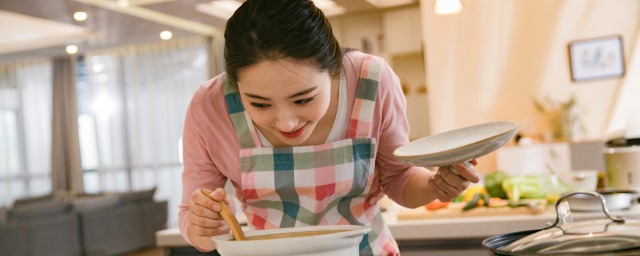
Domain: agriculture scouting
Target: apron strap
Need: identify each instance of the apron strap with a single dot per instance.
(246, 133)
(362, 115)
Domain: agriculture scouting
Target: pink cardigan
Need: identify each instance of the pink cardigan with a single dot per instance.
(211, 147)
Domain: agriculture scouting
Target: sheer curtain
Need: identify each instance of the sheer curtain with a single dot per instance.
(132, 104)
(25, 134)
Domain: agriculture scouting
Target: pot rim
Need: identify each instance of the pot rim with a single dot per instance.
(625, 149)
(349, 231)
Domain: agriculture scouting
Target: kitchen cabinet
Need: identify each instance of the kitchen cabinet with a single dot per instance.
(402, 31)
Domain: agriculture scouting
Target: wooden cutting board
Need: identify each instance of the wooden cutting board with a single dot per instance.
(422, 213)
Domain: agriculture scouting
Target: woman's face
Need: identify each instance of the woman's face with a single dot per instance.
(285, 98)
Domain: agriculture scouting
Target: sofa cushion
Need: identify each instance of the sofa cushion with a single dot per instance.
(136, 196)
(30, 200)
(88, 203)
(38, 209)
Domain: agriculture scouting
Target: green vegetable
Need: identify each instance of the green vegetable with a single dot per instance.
(493, 184)
(472, 203)
(527, 186)
(486, 198)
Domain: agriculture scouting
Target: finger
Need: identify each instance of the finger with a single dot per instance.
(474, 162)
(447, 190)
(208, 231)
(206, 222)
(453, 179)
(213, 197)
(200, 197)
(456, 181)
(219, 194)
(467, 173)
(440, 195)
(204, 211)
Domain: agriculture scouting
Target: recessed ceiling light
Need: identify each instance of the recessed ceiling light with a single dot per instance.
(445, 7)
(329, 8)
(221, 8)
(71, 49)
(166, 35)
(80, 16)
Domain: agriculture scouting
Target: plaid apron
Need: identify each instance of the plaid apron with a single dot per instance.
(315, 185)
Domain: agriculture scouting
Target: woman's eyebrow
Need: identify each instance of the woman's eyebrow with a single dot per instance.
(300, 93)
(256, 96)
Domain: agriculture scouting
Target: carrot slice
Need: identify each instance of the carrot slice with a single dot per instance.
(436, 204)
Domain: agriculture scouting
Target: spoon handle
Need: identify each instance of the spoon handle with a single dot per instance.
(227, 215)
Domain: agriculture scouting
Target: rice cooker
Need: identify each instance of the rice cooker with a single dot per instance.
(622, 163)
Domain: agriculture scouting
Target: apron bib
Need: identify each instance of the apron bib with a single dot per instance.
(315, 185)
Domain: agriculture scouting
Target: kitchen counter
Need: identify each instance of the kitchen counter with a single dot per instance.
(453, 233)
(484, 226)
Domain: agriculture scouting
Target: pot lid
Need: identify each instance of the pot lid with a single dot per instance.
(602, 235)
(623, 142)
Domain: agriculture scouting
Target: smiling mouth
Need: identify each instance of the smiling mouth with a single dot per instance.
(295, 133)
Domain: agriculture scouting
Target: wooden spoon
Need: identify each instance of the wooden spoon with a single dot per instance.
(228, 216)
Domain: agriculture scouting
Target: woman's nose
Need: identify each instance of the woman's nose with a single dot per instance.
(287, 121)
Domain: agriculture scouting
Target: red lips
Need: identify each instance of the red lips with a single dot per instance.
(295, 133)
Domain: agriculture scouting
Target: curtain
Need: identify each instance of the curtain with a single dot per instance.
(66, 173)
(133, 102)
(25, 137)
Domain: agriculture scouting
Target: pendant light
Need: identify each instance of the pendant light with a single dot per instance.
(446, 7)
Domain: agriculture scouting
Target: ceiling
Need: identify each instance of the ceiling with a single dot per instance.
(36, 28)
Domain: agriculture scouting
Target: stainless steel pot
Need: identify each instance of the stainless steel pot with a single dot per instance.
(611, 236)
(622, 163)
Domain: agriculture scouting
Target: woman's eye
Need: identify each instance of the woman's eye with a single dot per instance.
(259, 105)
(304, 101)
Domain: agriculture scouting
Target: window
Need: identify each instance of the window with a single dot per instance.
(25, 130)
(131, 108)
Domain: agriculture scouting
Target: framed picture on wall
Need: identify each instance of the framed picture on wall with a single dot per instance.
(596, 58)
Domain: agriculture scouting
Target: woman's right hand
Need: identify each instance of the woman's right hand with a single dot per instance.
(204, 216)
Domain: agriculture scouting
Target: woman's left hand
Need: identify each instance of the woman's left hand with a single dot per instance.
(447, 185)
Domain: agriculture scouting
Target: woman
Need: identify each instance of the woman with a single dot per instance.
(304, 131)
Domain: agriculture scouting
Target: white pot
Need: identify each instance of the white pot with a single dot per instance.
(338, 244)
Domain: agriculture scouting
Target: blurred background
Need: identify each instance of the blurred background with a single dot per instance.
(93, 93)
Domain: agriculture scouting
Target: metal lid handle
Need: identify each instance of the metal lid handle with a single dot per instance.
(595, 194)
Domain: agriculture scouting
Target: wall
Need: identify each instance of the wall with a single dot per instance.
(498, 55)
(376, 28)
(354, 29)
(488, 62)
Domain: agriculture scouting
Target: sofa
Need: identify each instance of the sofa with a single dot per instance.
(85, 224)
(40, 228)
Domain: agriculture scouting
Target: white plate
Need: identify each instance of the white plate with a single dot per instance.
(457, 146)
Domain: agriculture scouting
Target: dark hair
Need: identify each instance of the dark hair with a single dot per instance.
(274, 29)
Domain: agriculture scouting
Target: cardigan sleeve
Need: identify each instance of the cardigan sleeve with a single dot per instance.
(200, 170)
(393, 132)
